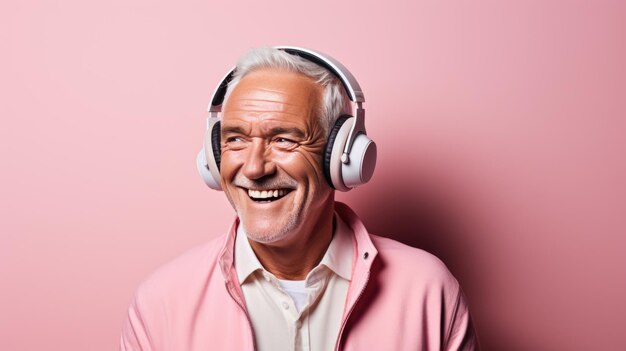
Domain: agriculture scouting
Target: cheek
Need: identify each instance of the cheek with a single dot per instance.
(304, 165)
(315, 162)
(230, 161)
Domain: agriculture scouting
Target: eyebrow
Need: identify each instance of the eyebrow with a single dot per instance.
(274, 131)
(290, 130)
(232, 129)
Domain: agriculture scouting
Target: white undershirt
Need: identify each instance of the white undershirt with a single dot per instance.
(297, 290)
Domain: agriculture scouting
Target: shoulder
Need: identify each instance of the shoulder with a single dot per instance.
(412, 264)
(169, 299)
(190, 269)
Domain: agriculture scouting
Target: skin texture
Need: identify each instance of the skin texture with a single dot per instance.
(272, 139)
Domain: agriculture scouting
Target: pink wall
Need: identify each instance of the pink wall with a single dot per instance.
(500, 128)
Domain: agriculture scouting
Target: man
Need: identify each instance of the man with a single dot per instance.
(296, 271)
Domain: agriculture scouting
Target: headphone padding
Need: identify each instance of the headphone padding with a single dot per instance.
(332, 135)
(216, 147)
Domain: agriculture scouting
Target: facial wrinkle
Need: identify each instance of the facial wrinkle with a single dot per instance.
(267, 108)
(250, 102)
(313, 163)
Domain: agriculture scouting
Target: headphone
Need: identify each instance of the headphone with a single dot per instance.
(350, 155)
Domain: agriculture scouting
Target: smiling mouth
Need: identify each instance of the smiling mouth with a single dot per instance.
(267, 195)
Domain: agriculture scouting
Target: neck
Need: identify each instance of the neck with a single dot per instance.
(295, 258)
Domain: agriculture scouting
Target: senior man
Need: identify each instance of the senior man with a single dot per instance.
(296, 270)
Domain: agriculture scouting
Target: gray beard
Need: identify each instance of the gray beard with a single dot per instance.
(268, 238)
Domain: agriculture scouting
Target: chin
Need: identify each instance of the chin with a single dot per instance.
(268, 233)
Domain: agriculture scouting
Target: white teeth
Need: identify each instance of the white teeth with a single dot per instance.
(265, 194)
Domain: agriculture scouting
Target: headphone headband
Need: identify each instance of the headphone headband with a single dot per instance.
(353, 89)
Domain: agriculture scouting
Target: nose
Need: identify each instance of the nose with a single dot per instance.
(258, 164)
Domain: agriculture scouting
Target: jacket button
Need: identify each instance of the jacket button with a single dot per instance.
(366, 255)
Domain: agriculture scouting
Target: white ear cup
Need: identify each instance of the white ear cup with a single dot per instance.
(362, 161)
(205, 173)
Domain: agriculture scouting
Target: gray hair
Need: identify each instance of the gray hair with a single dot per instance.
(335, 101)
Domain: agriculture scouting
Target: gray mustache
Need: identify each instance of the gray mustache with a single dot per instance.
(265, 183)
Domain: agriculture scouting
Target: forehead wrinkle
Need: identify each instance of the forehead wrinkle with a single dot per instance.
(263, 94)
(253, 102)
(262, 105)
(259, 95)
(268, 105)
(262, 114)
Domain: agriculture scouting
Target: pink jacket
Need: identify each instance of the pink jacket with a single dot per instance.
(400, 298)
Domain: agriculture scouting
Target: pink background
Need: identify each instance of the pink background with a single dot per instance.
(500, 128)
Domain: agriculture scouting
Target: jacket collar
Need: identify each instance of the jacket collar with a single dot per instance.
(364, 255)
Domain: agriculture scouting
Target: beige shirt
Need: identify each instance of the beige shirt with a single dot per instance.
(276, 322)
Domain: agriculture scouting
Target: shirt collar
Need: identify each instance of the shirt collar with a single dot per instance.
(246, 261)
(338, 256)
